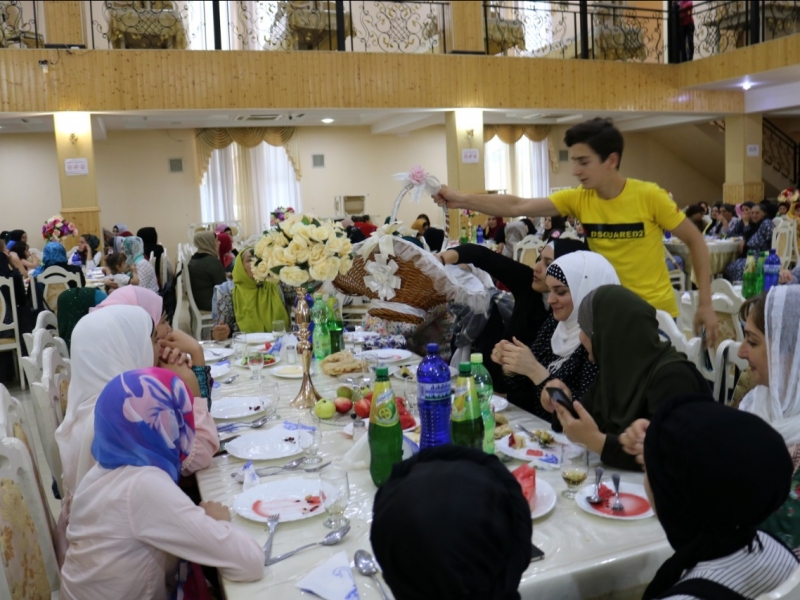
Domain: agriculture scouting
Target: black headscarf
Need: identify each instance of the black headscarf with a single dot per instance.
(697, 453)
(149, 237)
(556, 224)
(15, 235)
(464, 515)
(434, 237)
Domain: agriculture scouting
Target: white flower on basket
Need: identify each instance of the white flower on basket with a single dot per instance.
(382, 279)
(325, 271)
(294, 276)
(345, 264)
(336, 245)
(321, 234)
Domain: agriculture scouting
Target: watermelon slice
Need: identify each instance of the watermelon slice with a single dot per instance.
(526, 476)
(407, 420)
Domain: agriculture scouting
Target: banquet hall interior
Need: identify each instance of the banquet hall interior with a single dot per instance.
(141, 141)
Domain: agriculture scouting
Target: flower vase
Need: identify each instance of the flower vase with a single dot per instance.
(307, 396)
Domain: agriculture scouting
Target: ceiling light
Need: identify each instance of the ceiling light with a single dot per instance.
(746, 85)
(328, 120)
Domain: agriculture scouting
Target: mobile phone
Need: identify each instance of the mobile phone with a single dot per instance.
(561, 398)
(536, 553)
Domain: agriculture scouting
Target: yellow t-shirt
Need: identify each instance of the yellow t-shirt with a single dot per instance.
(628, 231)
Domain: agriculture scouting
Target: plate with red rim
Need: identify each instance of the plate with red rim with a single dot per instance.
(295, 499)
(386, 356)
(632, 496)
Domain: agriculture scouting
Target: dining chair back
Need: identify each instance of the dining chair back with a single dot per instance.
(527, 250)
(45, 320)
(726, 305)
(727, 369)
(55, 280)
(10, 337)
(49, 405)
(788, 590)
(784, 240)
(676, 275)
(200, 319)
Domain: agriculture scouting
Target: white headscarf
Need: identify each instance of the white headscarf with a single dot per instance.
(514, 232)
(779, 403)
(584, 271)
(105, 343)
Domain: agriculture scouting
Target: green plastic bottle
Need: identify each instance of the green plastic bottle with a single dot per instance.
(335, 324)
(385, 435)
(463, 239)
(485, 388)
(466, 422)
(321, 340)
(760, 273)
(750, 275)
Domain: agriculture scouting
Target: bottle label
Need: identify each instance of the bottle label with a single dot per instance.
(465, 404)
(384, 412)
(434, 392)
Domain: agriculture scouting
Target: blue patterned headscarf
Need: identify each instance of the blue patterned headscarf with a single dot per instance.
(144, 418)
(53, 254)
(134, 249)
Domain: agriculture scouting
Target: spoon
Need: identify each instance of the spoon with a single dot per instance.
(253, 424)
(287, 467)
(617, 506)
(367, 567)
(229, 379)
(333, 538)
(595, 498)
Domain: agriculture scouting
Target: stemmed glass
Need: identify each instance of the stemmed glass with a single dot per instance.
(240, 346)
(270, 397)
(574, 469)
(310, 438)
(334, 490)
(255, 362)
(278, 328)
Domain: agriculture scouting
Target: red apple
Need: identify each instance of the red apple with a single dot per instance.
(368, 397)
(343, 405)
(362, 408)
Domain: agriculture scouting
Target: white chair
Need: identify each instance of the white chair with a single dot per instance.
(527, 250)
(42, 339)
(788, 590)
(726, 305)
(784, 241)
(49, 400)
(676, 275)
(27, 539)
(687, 307)
(200, 319)
(9, 309)
(55, 280)
(570, 235)
(728, 366)
(668, 329)
(45, 320)
(236, 229)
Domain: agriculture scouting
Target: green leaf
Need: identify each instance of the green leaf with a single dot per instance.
(306, 221)
(277, 270)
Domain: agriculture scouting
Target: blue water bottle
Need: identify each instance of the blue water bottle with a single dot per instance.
(433, 387)
(772, 270)
(479, 234)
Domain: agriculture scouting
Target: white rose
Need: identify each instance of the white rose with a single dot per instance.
(261, 272)
(299, 250)
(335, 244)
(317, 254)
(293, 276)
(325, 271)
(345, 264)
(263, 248)
(280, 257)
(300, 232)
(320, 234)
(278, 239)
(347, 248)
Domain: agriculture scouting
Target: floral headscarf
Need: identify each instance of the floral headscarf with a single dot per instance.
(53, 254)
(134, 250)
(144, 418)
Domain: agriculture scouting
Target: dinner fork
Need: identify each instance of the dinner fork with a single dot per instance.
(617, 506)
(272, 523)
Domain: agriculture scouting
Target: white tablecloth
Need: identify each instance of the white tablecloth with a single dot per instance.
(721, 252)
(585, 556)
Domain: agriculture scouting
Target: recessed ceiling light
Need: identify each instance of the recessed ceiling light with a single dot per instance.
(746, 85)
(328, 120)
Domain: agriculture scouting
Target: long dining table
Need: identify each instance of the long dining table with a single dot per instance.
(586, 556)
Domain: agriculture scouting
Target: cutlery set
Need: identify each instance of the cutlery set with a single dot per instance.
(597, 499)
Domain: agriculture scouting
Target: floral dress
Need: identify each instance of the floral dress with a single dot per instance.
(784, 523)
(222, 307)
(760, 241)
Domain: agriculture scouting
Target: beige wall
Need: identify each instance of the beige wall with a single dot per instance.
(358, 163)
(646, 159)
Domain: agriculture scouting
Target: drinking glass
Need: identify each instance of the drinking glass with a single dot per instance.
(310, 438)
(574, 469)
(278, 328)
(240, 345)
(334, 491)
(411, 396)
(255, 362)
(270, 396)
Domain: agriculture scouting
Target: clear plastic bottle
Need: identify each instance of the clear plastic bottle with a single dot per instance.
(485, 388)
(772, 270)
(322, 337)
(433, 394)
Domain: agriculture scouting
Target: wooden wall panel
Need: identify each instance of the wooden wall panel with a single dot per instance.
(63, 22)
(466, 33)
(86, 219)
(114, 80)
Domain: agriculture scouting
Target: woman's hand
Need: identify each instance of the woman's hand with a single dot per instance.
(448, 257)
(785, 277)
(216, 510)
(518, 358)
(547, 402)
(178, 340)
(185, 373)
(220, 333)
(583, 430)
(632, 439)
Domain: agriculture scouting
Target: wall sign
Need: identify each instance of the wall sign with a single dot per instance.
(470, 156)
(753, 150)
(76, 166)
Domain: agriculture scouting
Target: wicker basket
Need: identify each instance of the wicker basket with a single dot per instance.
(416, 289)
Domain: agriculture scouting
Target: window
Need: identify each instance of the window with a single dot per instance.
(522, 169)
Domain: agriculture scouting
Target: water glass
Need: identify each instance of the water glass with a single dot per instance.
(255, 362)
(278, 328)
(240, 345)
(334, 491)
(411, 396)
(310, 438)
(359, 430)
(270, 396)
(574, 469)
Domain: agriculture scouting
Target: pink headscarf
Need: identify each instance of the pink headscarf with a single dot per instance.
(220, 228)
(133, 295)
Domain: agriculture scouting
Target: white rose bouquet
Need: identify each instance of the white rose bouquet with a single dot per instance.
(302, 249)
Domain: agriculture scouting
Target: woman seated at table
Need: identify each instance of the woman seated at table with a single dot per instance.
(54, 255)
(142, 272)
(226, 257)
(638, 372)
(529, 289)
(557, 353)
(245, 305)
(475, 549)
(27, 259)
(130, 523)
(88, 251)
(513, 233)
(205, 269)
(152, 249)
(73, 305)
(493, 226)
(696, 454)
(553, 228)
(757, 236)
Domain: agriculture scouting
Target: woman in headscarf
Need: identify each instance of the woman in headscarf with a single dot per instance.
(142, 272)
(120, 228)
(152, 249)
(225, 254)
(553, 228)
(88, 250)
(53, 255)
(434, 237)
(27, 259)
(246, 305)
(757, 237)
(638, 371)
(529, 289)
(556, 354)
(477, 549)
(73, 305)
(514, 232)
(222, 228)
(130, 522)
(493, 225)
(205, 269)
(696, 454)
(11, 267)
(14, 237)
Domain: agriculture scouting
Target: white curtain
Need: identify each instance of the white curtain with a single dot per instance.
(522, 169)
(217, 191)
(274, 180)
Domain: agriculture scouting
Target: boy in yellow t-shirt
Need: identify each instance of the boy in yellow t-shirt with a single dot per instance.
(623, 219)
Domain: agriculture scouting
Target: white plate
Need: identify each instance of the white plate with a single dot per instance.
(220, 370)
(395, 372)
(215, 354)
(545, 499)
(358, 337)
(284, 496)
(236, 407)
(276, 442)
(499, 404)
(386, 356)
(624, 487)
(257, 339)
(239, 362)
(288, 372)
(551, 457)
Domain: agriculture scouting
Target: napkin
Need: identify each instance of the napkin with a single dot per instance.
(332, 580)
(357, 458)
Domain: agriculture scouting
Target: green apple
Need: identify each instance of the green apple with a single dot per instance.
(324, 409)
(344, 391)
